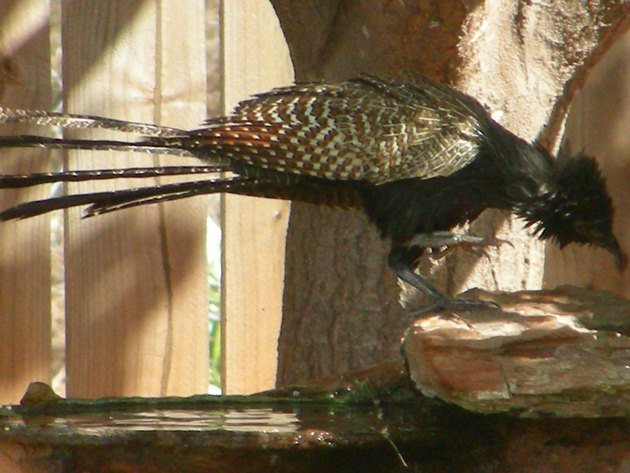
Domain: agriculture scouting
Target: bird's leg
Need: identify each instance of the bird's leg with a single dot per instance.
(402, 260)
(444, 242)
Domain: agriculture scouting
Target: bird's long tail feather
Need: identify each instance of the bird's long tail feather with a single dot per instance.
(155, 146)
(104, 202)
(73, 121)
(152, 139)
(28, 180)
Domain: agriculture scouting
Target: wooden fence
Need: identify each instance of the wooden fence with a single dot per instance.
(136, 282)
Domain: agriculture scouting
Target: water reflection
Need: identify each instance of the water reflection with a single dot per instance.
(265, 420)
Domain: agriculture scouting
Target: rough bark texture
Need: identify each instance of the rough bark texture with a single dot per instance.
(524, 60)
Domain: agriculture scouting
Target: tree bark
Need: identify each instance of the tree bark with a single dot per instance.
(523, 60)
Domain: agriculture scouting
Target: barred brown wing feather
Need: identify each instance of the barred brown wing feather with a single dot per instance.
(365, 130)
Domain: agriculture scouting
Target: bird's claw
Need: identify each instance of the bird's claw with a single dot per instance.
(457, 305)
(442, 243)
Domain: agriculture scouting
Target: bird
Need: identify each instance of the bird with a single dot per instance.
(417, 156)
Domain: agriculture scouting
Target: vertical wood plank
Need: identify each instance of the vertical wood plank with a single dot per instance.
(182, 103)
(255, 59)
(135, 285)
(25, 349)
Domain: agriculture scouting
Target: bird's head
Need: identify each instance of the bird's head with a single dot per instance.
(574, 208)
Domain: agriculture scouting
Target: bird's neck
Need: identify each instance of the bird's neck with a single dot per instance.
(538, 212)
(527, 169)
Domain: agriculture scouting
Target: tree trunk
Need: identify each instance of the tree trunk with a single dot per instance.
(523, 60)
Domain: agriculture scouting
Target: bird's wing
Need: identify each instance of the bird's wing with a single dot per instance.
(439, 136)
(361, 130)
(305, 130)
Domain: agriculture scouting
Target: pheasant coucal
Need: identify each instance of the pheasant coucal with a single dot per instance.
(418, 157)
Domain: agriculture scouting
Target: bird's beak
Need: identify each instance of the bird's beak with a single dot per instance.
(621, 258)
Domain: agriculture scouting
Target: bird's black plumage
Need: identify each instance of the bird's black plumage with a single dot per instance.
(418, 157)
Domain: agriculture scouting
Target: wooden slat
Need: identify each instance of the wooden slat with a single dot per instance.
(255, 59)
(135, 280)
(182, 103)
(25, 349)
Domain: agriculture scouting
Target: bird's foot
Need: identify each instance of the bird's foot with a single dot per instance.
(401, 261)
(456, 305)
(442, 243)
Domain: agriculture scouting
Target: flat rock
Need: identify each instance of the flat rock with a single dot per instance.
(562, 352)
